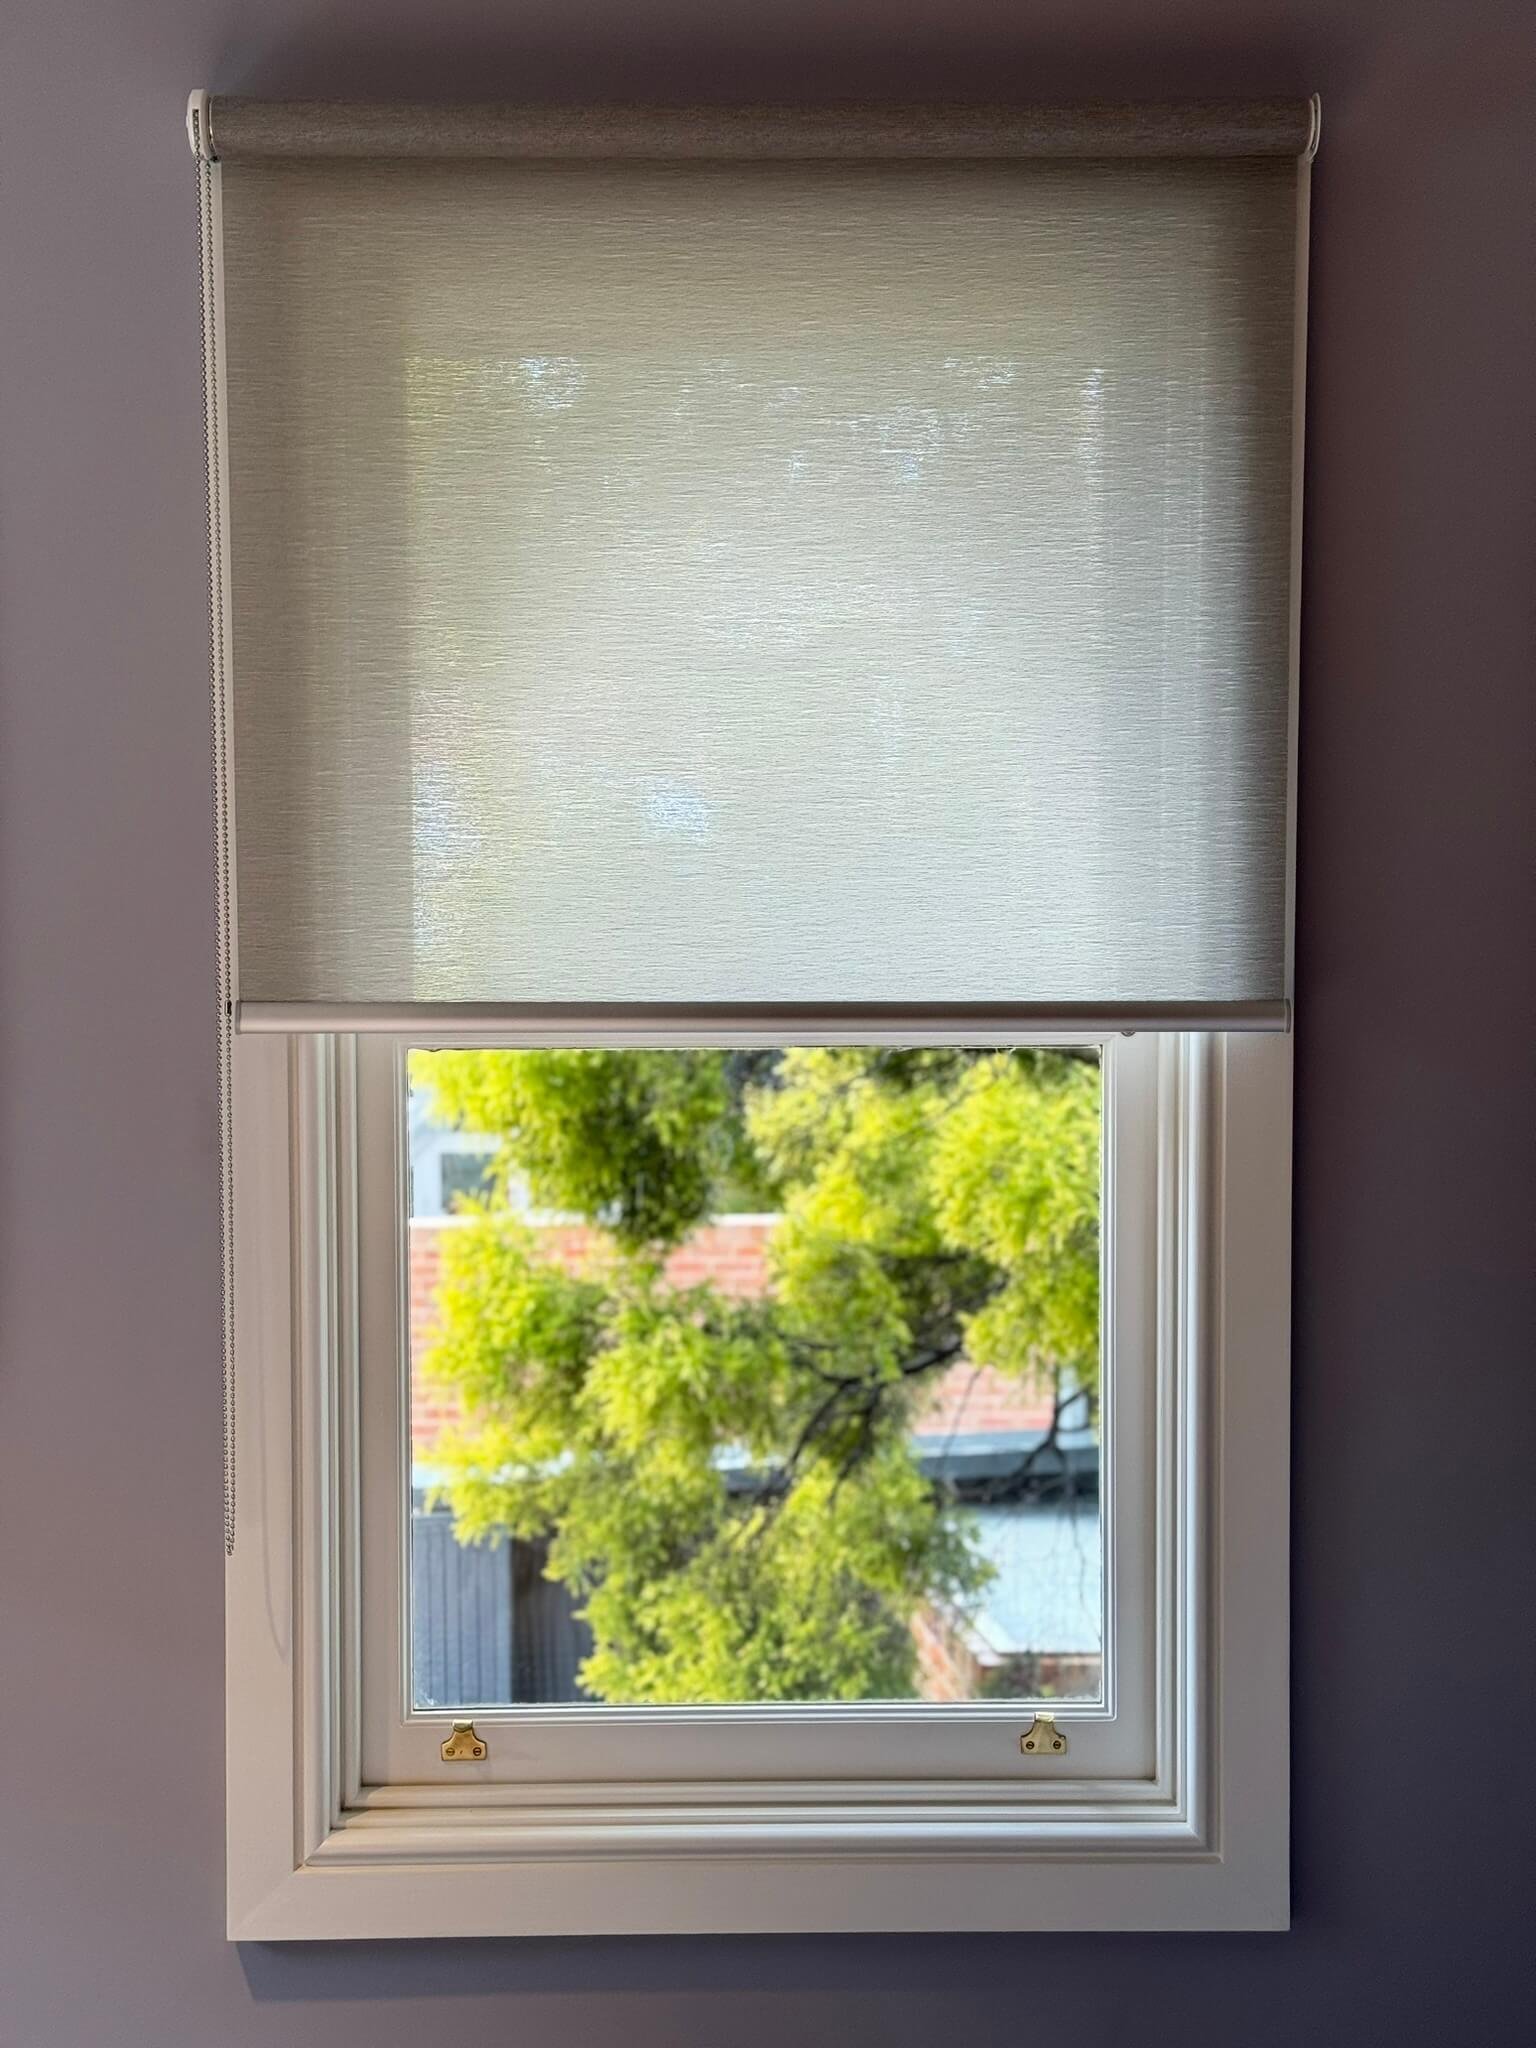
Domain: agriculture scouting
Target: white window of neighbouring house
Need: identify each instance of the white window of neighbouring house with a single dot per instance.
(754, 681)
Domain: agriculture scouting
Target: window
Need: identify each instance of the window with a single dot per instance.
(754, 885)
(856, 1423)
(1170, 1806)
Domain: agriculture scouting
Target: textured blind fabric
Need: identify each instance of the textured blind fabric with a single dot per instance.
(728, 583)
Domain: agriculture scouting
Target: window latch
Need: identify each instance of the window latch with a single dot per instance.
(1041, 1738)
(464, 1745)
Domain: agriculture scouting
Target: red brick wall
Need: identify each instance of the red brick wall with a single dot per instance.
(947, 1668)
(732, 1253)
(951, 1667)
(973, 1399)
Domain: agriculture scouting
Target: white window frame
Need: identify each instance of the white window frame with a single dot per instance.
(1113, 1738)
(629, 1821)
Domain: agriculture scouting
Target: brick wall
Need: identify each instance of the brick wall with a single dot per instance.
(733, 1253)
(948, 1668)
(952, 1666)
(972, 1400)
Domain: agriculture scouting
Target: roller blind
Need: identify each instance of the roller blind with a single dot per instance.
(714, 563)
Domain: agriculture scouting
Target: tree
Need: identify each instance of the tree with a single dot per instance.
(728, 1486)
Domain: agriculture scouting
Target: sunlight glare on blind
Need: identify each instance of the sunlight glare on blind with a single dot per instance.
(736, 583)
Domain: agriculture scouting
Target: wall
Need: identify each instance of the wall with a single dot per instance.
(1414, 1812)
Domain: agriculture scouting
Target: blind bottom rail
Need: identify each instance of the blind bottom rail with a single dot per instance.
(684, 1023)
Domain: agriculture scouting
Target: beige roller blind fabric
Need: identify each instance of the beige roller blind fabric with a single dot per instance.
(759, 582)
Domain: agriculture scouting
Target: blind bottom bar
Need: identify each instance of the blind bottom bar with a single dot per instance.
(761, 1023)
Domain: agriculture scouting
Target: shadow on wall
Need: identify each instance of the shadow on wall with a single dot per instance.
(752, 58)
(940, 1985)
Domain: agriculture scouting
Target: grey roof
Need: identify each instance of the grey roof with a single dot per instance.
(996, 1454)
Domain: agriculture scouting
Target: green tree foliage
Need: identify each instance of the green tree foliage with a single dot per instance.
(728, 1486)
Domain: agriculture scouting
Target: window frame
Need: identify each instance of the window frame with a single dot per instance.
(1113, 1737)
(1199, 1841)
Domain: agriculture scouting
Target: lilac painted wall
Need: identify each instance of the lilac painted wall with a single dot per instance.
(1415, 1560)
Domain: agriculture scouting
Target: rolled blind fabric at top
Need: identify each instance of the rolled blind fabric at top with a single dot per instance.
(737, 582)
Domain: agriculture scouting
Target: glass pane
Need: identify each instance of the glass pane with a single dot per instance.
(755, 1375)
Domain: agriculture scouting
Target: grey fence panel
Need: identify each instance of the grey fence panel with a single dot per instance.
(549, 1640)
(461, 1630)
